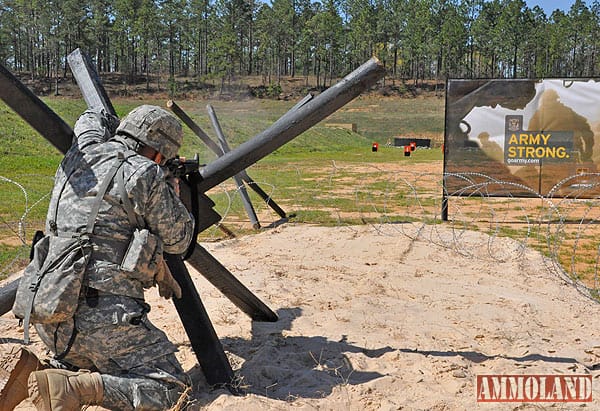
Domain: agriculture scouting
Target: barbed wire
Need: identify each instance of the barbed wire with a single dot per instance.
(400, 202)
(15, 221)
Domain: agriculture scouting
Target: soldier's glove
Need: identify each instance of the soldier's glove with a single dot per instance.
(167, 285)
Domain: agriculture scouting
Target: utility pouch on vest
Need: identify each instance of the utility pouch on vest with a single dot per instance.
(49, 289)
(142, 254)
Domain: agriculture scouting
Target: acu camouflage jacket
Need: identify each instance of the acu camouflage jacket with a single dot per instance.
(87, 163)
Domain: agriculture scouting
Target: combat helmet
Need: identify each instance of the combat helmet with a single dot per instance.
(154, 127)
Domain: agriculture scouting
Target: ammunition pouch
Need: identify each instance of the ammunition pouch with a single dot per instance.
(143, 254)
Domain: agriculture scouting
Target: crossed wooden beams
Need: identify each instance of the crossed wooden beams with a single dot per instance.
(302, 116)
(192, 313)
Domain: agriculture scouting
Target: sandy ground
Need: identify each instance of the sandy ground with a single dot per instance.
(372, 319)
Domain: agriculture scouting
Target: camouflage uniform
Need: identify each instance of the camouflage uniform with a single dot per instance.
(113, 334)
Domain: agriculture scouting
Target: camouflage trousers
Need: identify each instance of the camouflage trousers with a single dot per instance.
(115, 338)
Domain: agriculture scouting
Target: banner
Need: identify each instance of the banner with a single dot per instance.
(540, 136)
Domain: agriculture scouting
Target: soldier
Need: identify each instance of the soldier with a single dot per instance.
(553, 115)
(110, 353)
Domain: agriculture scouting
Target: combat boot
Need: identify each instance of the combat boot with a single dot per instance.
(16, 364)
(62, 390)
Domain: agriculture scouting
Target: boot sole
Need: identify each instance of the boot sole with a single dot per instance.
(8, 365)
(12, 369)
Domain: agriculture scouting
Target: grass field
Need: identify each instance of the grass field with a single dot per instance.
(311, 177)
(327, 176)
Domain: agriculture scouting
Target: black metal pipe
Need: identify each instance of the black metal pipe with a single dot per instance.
(200, 331)
(7, 296)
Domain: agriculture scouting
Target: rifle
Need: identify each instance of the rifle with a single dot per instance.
(204, 340)
(243, 176)
(182, 167)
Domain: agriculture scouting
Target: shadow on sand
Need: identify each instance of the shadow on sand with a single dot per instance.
(284, 367)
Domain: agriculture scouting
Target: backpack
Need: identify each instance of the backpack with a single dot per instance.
(52, 282)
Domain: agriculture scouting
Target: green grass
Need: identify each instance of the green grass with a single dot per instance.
(382, 118)
(301, 175)
(327, 176)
